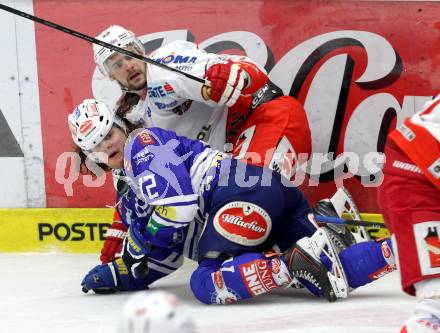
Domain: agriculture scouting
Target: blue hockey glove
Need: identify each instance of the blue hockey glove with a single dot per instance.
(112, 277)
(135, 251)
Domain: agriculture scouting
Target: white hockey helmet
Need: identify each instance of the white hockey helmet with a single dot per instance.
(155, 312)
(117, 36)
(90, 122)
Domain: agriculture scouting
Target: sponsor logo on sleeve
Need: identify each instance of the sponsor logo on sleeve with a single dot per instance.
(169, 212)
(276, 265)
(257, 277)
(146, 138)
(143, 156)
(280, 272)
(222, 294)
(218, 280)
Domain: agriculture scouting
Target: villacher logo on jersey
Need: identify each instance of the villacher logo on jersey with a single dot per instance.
(238, 220)
(243, 223)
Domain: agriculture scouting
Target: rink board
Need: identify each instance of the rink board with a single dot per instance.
(73, 230)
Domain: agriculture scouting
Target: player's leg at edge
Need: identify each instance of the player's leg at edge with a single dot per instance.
(313, 261)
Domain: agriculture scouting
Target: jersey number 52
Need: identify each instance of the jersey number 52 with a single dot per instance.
(147, 185)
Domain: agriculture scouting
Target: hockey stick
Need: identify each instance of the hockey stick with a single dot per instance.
(99, 42)
(356, 223)
(344, 204)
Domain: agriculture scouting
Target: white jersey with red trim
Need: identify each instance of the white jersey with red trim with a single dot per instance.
(419, 138)
(429, 117)
(175, 102)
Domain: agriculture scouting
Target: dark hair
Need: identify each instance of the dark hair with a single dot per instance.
(127, 101)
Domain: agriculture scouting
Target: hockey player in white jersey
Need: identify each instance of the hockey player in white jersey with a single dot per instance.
(230, 110)
(242, 106)
(257, 234)
(169, 100)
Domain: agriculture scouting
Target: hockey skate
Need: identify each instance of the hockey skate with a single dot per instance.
(339, 234)
(341, 203)
(304, 262)
(425, 318)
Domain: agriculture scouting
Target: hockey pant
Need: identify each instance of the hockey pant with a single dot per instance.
(410, 204)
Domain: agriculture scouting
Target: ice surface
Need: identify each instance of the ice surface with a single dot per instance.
(42, 293)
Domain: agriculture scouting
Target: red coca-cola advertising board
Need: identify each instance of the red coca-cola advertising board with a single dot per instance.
(358, 67)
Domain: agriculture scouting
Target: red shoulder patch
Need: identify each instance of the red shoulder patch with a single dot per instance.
(146, 138)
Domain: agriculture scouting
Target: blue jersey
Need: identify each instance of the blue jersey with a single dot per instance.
(175, 181)
(170, 178)
(134, 210)
(167, 170)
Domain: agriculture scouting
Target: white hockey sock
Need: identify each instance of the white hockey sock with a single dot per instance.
(428, 289)
(426, 318)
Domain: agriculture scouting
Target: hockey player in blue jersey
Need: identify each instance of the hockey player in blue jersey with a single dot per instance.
(258, 234)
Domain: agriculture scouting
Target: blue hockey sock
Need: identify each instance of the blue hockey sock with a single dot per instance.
(244, 276)
(367, 261)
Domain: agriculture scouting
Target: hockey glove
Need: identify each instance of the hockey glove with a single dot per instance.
(113, 241)
(111, 277)
(135, 251)
(227, 80)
